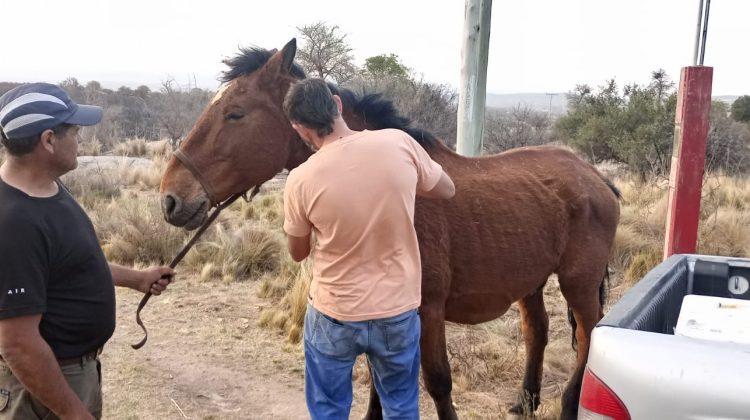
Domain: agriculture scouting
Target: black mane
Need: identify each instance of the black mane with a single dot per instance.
(249, 60)
(377, 111)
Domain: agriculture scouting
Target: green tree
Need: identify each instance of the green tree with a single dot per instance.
(635, 127)
(325, 53)
(386, 65)
(728, 143)
(741, 109)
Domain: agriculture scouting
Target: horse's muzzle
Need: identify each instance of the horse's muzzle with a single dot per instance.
(184, 213)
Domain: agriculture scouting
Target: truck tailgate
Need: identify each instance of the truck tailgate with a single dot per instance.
(678, 377)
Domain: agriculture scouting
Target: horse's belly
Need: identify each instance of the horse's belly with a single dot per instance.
(476, 308)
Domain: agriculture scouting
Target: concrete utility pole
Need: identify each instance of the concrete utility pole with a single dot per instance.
(473, 89)
(549, 113)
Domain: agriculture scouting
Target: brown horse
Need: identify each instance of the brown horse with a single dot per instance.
(517, 217)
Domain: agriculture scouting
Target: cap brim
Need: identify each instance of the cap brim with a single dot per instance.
(86, 115)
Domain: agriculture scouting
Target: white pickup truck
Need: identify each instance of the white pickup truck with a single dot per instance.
(676, 346)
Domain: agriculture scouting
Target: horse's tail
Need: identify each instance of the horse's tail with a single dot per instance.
(605, 279)
(612, 187)
(603, 287)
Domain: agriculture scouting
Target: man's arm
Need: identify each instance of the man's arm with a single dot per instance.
(33, 363)
(299, 247)
(443, 189)
(148, 280)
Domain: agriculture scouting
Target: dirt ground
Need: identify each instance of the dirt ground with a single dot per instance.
(207, 358)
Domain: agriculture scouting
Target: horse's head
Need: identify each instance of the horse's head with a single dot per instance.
(242, 138)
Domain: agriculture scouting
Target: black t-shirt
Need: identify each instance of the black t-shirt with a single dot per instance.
(51, 264)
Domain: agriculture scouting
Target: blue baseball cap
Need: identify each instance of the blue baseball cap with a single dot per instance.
(29, 109)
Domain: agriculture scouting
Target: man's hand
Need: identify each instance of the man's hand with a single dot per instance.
(148, 280)
(155, 279)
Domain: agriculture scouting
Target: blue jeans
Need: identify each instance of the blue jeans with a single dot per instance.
(392, 349)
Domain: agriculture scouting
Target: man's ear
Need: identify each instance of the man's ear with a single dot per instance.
(47, 140)
(339, 104)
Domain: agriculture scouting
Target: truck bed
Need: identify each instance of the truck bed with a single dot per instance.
(659, 375)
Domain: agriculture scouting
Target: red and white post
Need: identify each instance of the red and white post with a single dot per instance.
(688, 160)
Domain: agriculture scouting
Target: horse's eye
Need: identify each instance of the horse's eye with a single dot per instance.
(233, 116)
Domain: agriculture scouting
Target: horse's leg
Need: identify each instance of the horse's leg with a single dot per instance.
(374, 409)
(535, 326)
(436, 370)
(581, 290)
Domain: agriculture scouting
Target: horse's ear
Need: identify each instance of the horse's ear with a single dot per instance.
(287, 54)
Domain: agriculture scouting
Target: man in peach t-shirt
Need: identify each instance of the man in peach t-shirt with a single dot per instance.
(357, 195)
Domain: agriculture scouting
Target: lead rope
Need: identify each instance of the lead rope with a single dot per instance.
(176, 260)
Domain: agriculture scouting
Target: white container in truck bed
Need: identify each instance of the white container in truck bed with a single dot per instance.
(715, 318)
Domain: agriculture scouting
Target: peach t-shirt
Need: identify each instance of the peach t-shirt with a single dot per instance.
(357, 195)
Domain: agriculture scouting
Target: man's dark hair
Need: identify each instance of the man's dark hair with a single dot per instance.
(25, 145)
(310, 103)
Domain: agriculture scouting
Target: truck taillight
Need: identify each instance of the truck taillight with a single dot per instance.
(598, 402)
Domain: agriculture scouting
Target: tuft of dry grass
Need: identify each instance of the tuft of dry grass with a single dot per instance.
(641, 263)
(132, 230)
(292, 287)
(244, 252)
(139, 177)
(483, 355)
(90, 147)
(726, 231)
(209, 272)
(161, 149)
(131, 148)
(90, 186)
(266, 208)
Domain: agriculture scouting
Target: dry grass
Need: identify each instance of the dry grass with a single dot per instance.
(161, 149)
(90, 147)
(131, 148)
(132, 230)
(245, 252)
(724, 223)
(291, 288)
(91, 186)
(267, 209)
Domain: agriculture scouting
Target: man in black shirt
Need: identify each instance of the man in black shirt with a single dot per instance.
(57, 300)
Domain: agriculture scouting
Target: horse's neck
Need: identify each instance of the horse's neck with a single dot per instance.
(299, 152)
(438, 151)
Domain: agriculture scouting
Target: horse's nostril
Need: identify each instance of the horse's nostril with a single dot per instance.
(171, 204)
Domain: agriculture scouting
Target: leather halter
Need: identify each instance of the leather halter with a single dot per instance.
(185, 159)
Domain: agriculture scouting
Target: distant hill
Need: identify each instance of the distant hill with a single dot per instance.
(726, 98)
(536, 101)
(541, 101)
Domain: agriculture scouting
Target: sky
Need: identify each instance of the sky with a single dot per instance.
(535, 45)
